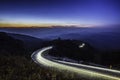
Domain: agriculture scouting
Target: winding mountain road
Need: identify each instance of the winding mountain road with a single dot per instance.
(90, 72)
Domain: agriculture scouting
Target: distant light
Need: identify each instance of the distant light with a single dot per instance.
(82, 45)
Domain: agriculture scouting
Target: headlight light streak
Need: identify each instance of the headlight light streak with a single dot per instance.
(39, 58)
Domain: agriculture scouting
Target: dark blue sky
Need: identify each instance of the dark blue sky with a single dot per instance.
(95, 12)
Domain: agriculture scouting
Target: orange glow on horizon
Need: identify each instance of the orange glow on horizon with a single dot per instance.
(21, 25)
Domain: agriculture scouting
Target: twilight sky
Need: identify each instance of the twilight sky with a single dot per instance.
(79, 12)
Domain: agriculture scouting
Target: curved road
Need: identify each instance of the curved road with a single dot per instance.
(91, 72)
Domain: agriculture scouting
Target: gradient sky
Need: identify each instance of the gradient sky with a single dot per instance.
(93, 12)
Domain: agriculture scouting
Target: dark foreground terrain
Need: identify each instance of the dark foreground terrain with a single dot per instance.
(16, 62)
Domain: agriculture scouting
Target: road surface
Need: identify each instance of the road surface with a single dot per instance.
(90, 72)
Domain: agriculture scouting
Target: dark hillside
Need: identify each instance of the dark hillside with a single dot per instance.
(71, 49)
(82, 51)
(29, 41)
(10, 45)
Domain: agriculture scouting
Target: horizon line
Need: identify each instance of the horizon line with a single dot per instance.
(50, 25)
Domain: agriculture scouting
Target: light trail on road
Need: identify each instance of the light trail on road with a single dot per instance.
(39, 58)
